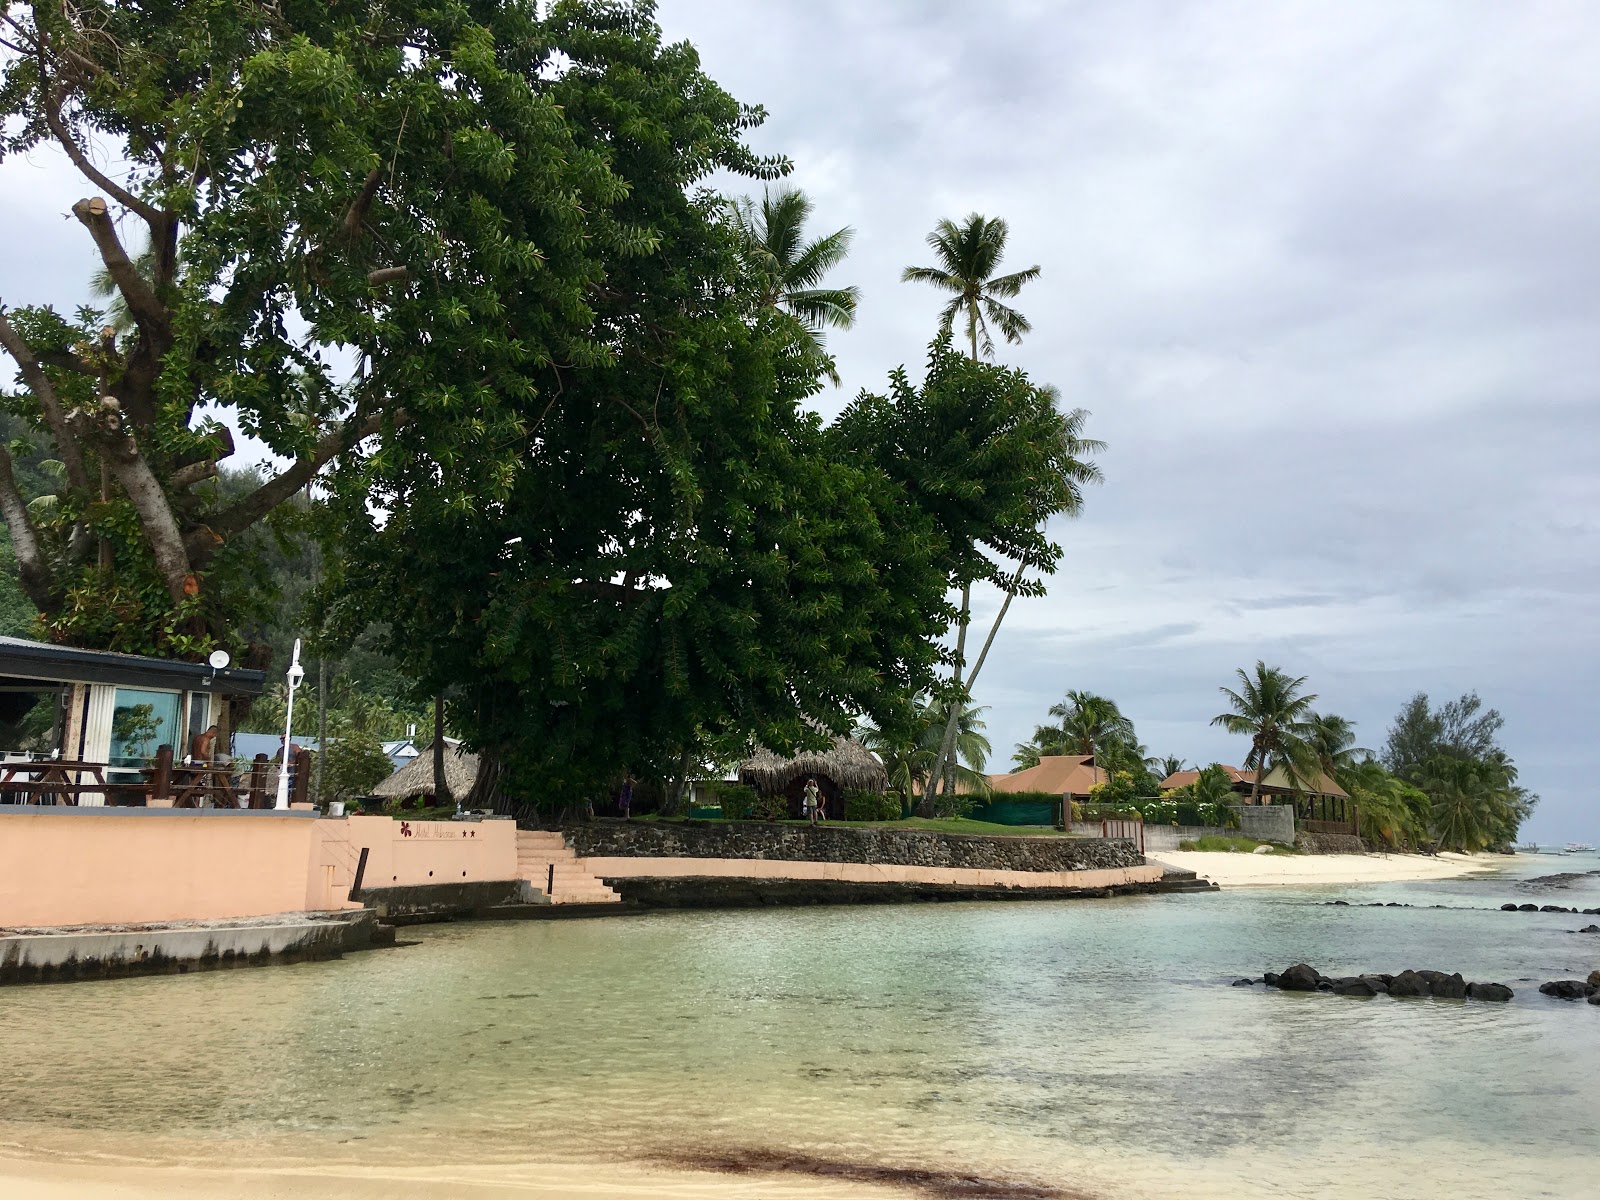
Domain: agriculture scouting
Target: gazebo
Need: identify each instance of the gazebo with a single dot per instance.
(415, 779)
(846, 766)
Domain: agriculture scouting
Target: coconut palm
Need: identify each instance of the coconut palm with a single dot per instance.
(1270, 709)
(910, 762)
(1092, 722)
(789, 270)
(1167, 765)
(968, 255)
(1332, 740)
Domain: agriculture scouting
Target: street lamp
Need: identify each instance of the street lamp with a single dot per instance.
(295, 675)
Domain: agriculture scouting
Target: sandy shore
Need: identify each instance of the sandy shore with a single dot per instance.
(1302, 870)
(24, 1179)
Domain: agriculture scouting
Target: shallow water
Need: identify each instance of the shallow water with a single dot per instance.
(1093, 1046)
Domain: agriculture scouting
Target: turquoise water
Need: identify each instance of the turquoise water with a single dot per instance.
(1089, 1045)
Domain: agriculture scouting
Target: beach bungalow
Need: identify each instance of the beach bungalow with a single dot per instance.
(414, 781)
(102, 717)
(1069, 776)
(846, 766)
(1239, 782)
(1320, 804)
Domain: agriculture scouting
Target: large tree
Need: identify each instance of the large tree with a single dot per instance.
(320, 218)
(650, 550)
(1270, 709)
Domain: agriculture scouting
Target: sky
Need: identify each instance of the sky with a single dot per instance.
(1324, 275)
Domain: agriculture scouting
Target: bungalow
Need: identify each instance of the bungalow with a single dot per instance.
(1069, 776)
(1239, 782)
(847, 765)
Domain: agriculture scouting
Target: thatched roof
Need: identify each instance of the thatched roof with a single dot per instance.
(848, 763)
(416, 777)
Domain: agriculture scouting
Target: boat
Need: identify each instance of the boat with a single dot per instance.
(1528, 848)
(1577, 848)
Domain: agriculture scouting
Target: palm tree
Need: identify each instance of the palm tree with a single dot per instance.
(910, 764)
(1332, 740)
(1270, 710)
(1091, 722)
(1169, 765)
(968, 255)
(789, 270)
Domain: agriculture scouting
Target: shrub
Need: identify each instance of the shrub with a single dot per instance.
(770, 807)
(871, 806)
(737, 801)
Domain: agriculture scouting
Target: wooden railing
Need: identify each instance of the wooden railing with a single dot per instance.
(169, 783)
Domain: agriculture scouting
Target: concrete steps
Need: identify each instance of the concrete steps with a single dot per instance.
(546, 862)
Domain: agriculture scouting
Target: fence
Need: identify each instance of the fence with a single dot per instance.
(163, 784)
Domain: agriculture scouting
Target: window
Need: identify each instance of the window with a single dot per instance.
(140, 722)
(199, 722)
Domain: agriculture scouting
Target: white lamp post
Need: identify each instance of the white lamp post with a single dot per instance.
(296, 674)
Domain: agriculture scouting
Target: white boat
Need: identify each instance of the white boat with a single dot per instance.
(1577, 848)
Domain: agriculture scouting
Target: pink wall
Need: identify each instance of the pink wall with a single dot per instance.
(100, 867)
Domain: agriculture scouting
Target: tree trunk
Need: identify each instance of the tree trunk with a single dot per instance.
(322, 724)
(947, 743)
(441, 782)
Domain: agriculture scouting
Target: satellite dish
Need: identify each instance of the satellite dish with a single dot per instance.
(219, 660)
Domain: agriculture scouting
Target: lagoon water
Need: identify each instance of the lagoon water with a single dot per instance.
(1094, 1047)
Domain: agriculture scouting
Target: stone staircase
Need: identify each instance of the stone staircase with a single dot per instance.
(547, 863)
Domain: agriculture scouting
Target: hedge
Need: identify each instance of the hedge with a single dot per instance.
(737, 800)
(871, 806)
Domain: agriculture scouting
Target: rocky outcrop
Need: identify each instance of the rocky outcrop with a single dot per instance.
(1424, 983)
(834, 843)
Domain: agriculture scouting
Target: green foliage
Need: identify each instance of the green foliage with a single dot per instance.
(1186, 812)
(353, 763)
(871, 806)
(770, 807)
(1390, 811)
(908, 755)
(738, 802)
(1211, 785)
(968, 255)
(1118, 792)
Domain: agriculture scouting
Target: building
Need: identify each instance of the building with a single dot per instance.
(114, 710)
(1070, 776)
(846, 766)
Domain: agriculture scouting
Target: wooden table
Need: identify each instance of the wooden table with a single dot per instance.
(48, 777)
(200, 781)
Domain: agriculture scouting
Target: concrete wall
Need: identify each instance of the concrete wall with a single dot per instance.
(119, 866)
(1266, 822)
(617, 869)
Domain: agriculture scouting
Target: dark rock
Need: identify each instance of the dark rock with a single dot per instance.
(1353, 986)
(1594, 979)
(1271, 979)
(1408, 983)
(1339, 903)
(1378, 983)
(1489, 991)
(1527, 908)
(1299, 978)
(1445, 987)
(1244, 983)
(1594, 996)
(1508, 908)
(1567, 989)
(1394, 904)
(1552, 908)
(1324, 985)
(1590, 929)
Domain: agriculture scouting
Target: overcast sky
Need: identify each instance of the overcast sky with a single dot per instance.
(1325, 275)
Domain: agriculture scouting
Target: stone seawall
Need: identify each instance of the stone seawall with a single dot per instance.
(846, 844)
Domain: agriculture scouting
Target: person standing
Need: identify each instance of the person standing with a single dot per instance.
(812, 800)
(625, 798)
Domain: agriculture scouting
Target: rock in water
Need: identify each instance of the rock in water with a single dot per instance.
(1508, 908)
(1445, 987)
(1244, 983)
(1270, 979)
(1378, 983)
(1489, 991)
(1299, 978)
(1408, 983)
(1567, 989)
(1527, 908)
(1353, 985)
(1594, 997)
(1594, 979)
(1590, 929)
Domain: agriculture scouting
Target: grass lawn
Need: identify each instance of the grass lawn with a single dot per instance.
(1234, 845)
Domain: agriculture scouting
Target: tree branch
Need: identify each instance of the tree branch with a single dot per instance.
(385, 275)
(31, 565)
(357, 212)
(149, 500)
(186, 477)
(39, 383)
(154, 321)
(153, 216)
(204, 542)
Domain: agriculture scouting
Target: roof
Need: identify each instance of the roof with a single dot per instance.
(1318, 784)
(847, 762)
(1062, 774)
(1180, 779)
(416, 777)
(23, 658)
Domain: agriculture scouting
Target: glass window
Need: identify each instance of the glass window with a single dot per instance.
(140, 722)
(199, 721)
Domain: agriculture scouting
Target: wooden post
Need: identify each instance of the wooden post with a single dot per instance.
(161, 781)
(258, 782)
(300, 777)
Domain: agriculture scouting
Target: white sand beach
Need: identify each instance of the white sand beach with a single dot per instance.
(1301, 870)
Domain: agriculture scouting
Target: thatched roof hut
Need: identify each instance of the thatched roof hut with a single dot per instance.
(849, 764)
(416, 777)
